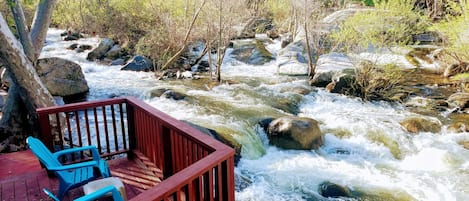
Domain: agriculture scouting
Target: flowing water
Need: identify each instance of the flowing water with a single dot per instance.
(365, 147)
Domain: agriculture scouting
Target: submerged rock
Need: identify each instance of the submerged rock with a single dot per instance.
(170, 94)
(421, 124)
(295, 133)
(220, 137)
(62, 77)
(330, 190)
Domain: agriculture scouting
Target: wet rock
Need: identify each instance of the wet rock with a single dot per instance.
(459, 101)
(459, 127)
(173, 95)
(72, 46)
(118, 62)
(288, 104)
(328, 66)
(115, 52)
(421, 124)
(251, 52)
(70, 38)
(157, 92)
(292, 60)
(295, 133)
(99, 52)
(264, 123)
(330, 190)
(62, 77)
(341, 82)
(220, 137)
(139, 63)
(459, 122)
(85, 47)
(322, 79)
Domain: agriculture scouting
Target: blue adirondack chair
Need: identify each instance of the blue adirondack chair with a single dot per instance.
(116, 196)
(72, 175)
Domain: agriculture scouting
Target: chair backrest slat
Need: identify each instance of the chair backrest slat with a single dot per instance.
(42, 153)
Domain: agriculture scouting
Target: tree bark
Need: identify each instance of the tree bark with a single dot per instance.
(21, 28)
(22, 72)
(41, 23)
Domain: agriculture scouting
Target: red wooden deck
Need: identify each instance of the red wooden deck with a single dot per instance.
(22, 178)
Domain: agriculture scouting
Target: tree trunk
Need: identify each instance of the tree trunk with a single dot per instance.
(22, 72)
(26, 92)
(41, 23)
(14, 111)
(21, 28)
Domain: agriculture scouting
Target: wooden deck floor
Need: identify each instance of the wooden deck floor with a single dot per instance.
(22, 178)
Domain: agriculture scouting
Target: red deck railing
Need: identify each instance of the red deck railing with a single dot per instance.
(194, 165)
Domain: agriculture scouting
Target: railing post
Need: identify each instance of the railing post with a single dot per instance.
(131, 126)
(168, 168)
(45, 128)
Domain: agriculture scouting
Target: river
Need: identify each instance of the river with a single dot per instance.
(365, 147)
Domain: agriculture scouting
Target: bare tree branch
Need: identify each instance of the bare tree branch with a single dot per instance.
(186, 38)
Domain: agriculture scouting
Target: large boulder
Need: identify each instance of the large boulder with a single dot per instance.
(98, 53)
(115, 52)
(293, 59)
(421, 124)
(328, 66)
(62, 77)
(251, 52)
(299, 133)
(138, 63)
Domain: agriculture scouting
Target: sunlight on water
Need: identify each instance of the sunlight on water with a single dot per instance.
(365, 147)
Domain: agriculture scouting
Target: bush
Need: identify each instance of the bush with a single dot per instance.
(392, 23)
(455, 32)
(374, 82)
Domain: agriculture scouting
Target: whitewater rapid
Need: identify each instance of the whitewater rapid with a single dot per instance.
(365, 147)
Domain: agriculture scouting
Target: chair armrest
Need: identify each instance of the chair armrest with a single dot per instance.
(74, 166)
(93, 149)
(101, 192)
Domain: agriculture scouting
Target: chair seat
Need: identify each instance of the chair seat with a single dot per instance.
(71, 175)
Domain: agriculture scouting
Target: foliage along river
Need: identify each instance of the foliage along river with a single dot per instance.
(410, 167)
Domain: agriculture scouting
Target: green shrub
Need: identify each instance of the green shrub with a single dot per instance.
(391, 23)
(455, 33)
